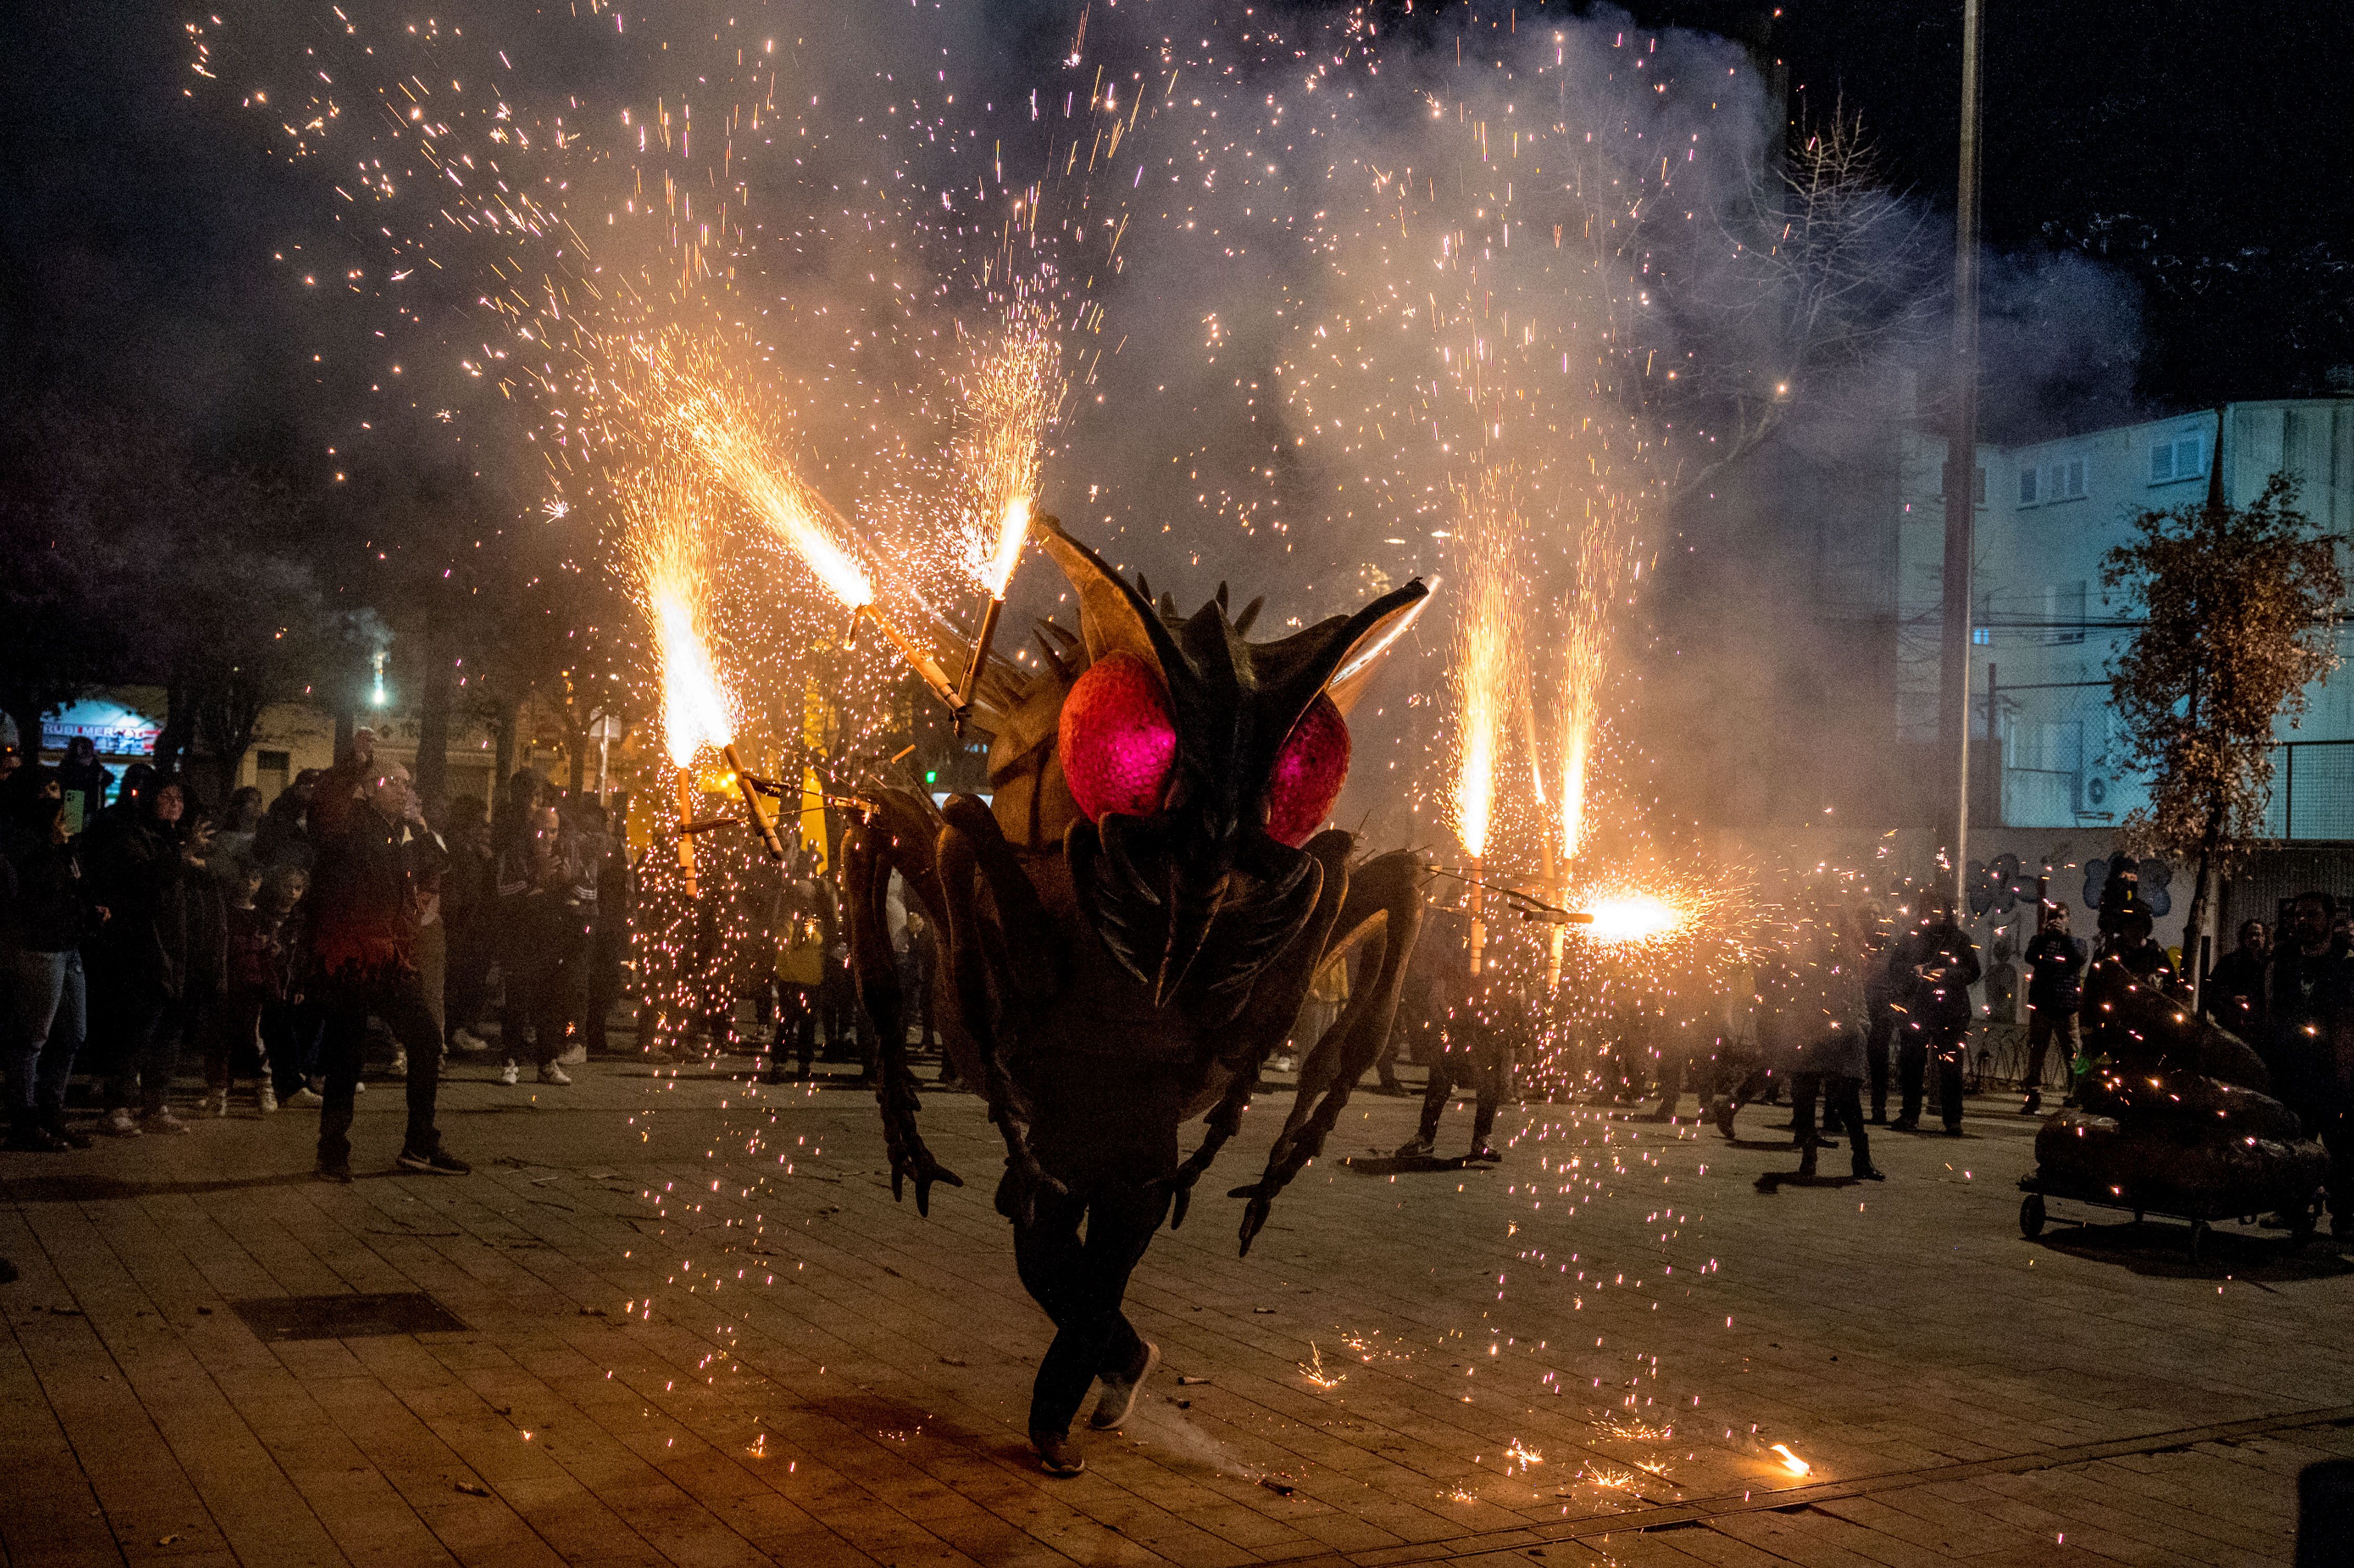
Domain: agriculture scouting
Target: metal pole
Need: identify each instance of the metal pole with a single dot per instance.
(1961, 461)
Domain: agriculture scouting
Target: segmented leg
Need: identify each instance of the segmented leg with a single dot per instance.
(1266, 1019)
(1384, 901)
(1016, 955)
(896, 836)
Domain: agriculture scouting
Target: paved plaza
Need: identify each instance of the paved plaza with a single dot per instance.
(676, 1317)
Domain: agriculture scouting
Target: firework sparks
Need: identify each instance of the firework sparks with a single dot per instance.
(1791, 1462)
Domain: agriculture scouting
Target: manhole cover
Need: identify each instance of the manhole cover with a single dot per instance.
(346, 1316)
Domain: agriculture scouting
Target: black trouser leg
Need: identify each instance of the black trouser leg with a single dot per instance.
(1493, 1074)
(409, 1016)
(343, 1030)
(1843, 1107)
(1875, 1051)
(1950, 1044)
(1444, 1067)
(1806, 1088)
(1080, 1284)
(149, 1027)
(1912, 1071)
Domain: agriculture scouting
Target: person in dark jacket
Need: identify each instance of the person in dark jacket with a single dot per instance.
(469, 892)
(376, 862)
(43, 921)
(1934, 969)
(147, 888)
(283, 837)
(547, 899)
(1880, 1014)
(85, 784)
(2235, 992)
(2055, 990)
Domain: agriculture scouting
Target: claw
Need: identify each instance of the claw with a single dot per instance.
(1179, 1201)
(1253, 1215)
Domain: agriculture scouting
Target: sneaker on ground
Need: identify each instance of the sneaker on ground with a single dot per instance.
(334, 1170)
(469, 1041)
(1058, 1455)
(120, 1123)
(575, 1055)
(32, 1138)
(266, 1099)
(549, 1072)
(510, 1073)
(161, 1119)
(435, 1161)
(1415, 1147)
(59, 1130)
(400, 1068)
(1485, 1154)
(215, 1103)
(307, 1097)
(1118, 1401)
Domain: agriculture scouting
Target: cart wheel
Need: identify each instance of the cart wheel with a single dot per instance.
(2200, 1232)
(2030, 1215)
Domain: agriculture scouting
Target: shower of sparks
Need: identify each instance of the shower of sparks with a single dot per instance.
(1487, 661)
(1791, 1462)
(1312, 1368)
(663, 535)
(1010, 398)
(721, 424)
(1633, 917)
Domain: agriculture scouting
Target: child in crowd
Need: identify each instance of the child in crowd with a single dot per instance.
(255, 979)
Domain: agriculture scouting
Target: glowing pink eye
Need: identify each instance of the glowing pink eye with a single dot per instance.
(1118, 744)
(1308, 772)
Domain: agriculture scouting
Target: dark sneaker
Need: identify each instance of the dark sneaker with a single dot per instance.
(2033, 1103)
(1058, 1455)
(1872, 1173)
(1905, 1124)
(1484, 1154)
(338, 1170)
(64, 1134)
(1118, 1401)
(32, 1138)
(1415, 1147)
(435, 1161)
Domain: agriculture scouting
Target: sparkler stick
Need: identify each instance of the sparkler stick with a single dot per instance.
(923, 663)
(1016, 532)
(756, 815)
(1478, 925)
(686, 838)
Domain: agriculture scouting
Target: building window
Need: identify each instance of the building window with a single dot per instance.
(2042, 483)
(2180, 456)
(1979, 494)
(2063, 613)
(1982, 635)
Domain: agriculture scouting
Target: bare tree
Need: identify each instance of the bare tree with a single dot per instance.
(1836, 271)
(2241, 606)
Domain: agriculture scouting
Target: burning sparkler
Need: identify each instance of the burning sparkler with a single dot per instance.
(1483, 675)
(659, 510)
(1009, 399)
(716, 421)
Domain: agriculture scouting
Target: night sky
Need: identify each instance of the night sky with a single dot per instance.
(2200, 147)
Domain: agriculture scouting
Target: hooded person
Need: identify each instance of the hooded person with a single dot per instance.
(85, 782)
(147, 959)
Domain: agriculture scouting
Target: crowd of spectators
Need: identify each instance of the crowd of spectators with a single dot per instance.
(147, 936)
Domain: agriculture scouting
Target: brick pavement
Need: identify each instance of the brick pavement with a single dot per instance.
(698, 1332)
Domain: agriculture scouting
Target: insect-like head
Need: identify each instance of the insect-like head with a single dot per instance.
(1200, 762)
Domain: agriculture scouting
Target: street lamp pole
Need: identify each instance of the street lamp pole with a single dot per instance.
(1961, 465)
